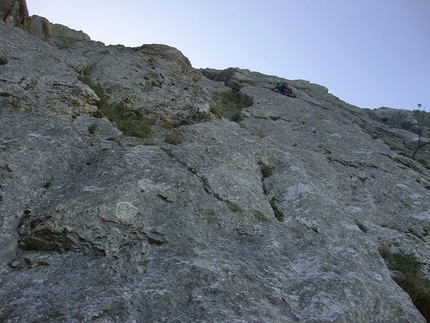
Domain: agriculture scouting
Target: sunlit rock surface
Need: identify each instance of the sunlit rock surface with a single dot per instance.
(184, 225)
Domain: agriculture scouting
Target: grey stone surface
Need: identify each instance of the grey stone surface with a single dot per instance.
(100, 227)
(14, 12)
(40, 27)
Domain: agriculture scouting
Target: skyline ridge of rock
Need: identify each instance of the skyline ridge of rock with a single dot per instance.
(15, 12)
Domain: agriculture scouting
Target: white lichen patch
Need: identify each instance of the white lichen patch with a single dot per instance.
(147, 185)
(126, 210)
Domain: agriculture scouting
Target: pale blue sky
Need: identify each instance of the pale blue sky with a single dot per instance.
(369, 53)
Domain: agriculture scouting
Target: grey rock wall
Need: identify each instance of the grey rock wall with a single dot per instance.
(100, 227)
(14, 12)
(40, 27)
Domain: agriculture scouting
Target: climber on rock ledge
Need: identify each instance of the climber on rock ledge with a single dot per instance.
(282, 87)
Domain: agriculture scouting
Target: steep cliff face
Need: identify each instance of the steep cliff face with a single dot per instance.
(15, 13)
(226, 202)
(41, 27)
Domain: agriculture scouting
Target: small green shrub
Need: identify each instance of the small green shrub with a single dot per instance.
(173, 139)
(385, 253)
(157, 83)
(418, 288)
(92, 128)
(259, 133)
(266, 171)
(111, 138)
(405, 153)
(193, 170)
(130, 122)
(87, 70)
(265, 190)
(419, 291)
(278, 212)
(98, 114)
(3, 60)
(217, 111)
(232, 104)
(424, 163)
(134, 127)
(5, 94)
(182, 122)
(228, 97)
(200, 117)
(63, 45)
(48, 183)
(236, 117)
(407, 263)
(361, 226)
(385, 119)
(167, 124)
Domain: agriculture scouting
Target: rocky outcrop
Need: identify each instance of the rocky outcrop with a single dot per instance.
(15, 12)
(278, 213)
(401, 130)
(36, 78)
(41, 27)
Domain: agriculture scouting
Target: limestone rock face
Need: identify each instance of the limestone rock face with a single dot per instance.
(41, 27)
(275, 214)
(37, 78)
(14, 12)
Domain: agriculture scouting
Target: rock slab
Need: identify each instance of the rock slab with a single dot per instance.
(100, 227)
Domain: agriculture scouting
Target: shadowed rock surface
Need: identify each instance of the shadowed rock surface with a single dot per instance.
(15, 12)
(277, 217)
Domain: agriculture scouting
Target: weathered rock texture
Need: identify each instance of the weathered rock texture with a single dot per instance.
(41, 27)
(15, 12)
(186, 224)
